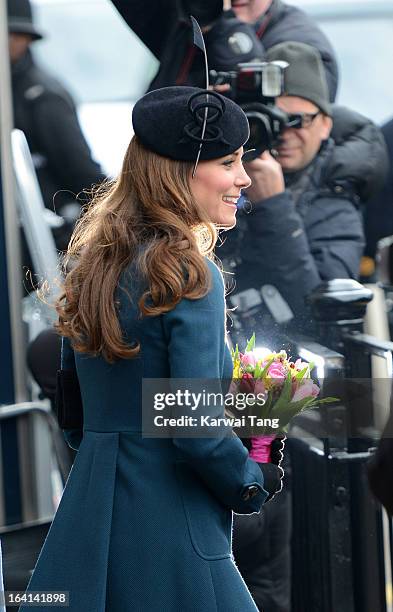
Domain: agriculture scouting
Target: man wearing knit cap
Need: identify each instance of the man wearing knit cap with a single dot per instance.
(306, 199)
(303, 226)
(306, 93)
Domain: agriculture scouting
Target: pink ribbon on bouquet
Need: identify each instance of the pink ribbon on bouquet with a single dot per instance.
(261, 447)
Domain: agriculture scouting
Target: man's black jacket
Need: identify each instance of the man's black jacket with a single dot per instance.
(379, 215)
(45, 112)
(310, 233)
(165, 30)
(314, 230)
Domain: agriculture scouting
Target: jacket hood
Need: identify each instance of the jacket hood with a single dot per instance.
(359, 160)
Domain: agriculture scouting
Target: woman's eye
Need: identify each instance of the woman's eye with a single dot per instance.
(229, 162)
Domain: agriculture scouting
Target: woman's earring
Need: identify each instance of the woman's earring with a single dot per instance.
(247, 205)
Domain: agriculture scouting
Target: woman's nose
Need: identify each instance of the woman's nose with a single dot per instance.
(243, 180)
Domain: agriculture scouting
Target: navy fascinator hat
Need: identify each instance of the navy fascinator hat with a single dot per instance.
(188, 123)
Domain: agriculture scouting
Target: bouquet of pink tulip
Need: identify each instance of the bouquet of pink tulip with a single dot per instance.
(286, 387)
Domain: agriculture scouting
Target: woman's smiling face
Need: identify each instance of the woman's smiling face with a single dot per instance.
(216, 187)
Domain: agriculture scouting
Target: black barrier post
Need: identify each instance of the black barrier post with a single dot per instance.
(351, 526)
(338, 309)
(338, 306)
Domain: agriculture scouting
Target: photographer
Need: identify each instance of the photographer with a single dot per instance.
(303, 226)
(165, 29)
(379, 217)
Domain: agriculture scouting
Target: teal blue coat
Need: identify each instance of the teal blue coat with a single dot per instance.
(145, 524)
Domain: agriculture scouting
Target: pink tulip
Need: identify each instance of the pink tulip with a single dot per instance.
(248, 359)
(300, 365)
(277, 372)
(306, 389)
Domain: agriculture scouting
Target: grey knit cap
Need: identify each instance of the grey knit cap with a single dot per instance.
(305, 76)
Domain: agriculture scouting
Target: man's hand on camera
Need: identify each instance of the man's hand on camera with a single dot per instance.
(267, 178)
(222, 89)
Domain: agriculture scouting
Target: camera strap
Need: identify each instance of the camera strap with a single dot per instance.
(186, 65)
(262, 23)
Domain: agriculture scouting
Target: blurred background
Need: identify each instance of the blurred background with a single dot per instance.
(360, 31)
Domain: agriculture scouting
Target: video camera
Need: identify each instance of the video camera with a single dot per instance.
(255, 87)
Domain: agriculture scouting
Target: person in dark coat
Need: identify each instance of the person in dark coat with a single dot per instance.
(145, 523)
(45, 112)
(165, 29)
(379, 215)
(380, 467)
(303, 226)
(305, 222)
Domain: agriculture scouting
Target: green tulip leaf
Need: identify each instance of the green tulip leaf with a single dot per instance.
(251, 344)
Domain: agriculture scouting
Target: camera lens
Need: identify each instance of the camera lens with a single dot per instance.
(260, 133)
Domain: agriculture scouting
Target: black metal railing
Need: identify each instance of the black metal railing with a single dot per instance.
(340, 542)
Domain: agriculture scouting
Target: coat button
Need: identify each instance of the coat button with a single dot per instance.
(251, 492)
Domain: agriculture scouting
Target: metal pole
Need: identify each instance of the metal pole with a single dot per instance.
(12, 385)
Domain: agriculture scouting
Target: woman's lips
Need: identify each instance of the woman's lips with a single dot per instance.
(231, 201)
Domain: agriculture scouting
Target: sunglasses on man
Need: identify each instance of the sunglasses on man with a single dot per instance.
(301, 120)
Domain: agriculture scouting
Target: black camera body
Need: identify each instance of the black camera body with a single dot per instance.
(255, 87)
(256, 81)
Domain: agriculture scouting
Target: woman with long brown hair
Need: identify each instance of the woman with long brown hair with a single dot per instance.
(145, 522)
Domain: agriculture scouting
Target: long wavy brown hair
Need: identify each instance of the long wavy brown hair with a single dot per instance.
(150, 205)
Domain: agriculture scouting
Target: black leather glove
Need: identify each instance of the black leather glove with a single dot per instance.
(230, 42)
(276, 450)
(272, 475)
(272, 472)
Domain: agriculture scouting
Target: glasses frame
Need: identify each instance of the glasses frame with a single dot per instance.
(301, 120)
